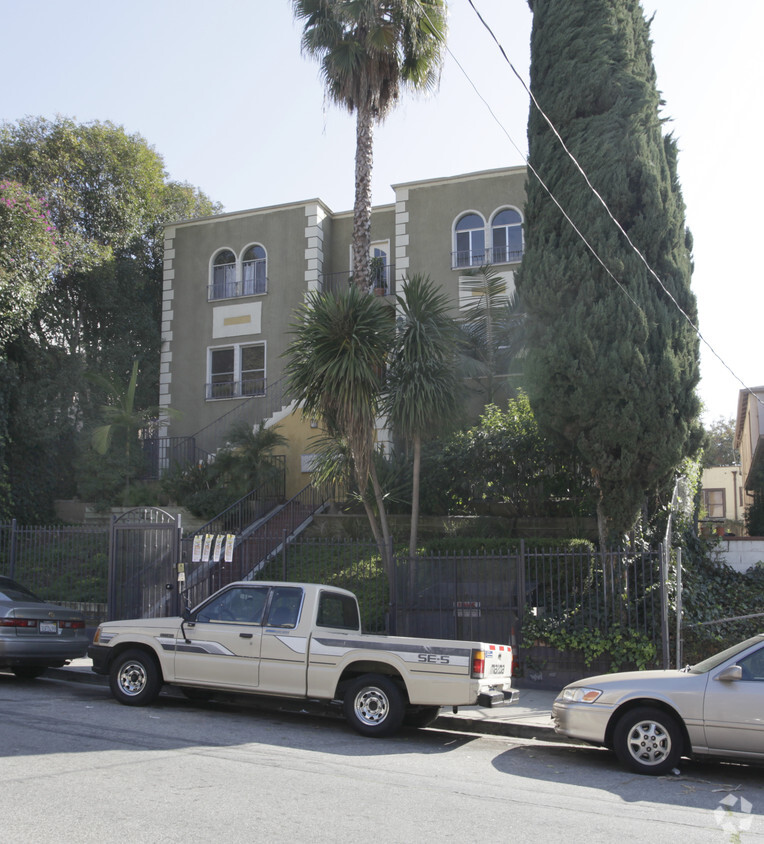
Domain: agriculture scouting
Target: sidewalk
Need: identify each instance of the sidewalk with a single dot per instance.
(531, 717)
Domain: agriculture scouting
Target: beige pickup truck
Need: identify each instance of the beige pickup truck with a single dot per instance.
(300, 641)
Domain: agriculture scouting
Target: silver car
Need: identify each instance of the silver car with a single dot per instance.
(34, 634)
(652, 718)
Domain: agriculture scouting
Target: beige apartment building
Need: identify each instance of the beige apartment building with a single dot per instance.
(233, 282)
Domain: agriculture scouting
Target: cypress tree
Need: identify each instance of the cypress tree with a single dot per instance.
(612, 366)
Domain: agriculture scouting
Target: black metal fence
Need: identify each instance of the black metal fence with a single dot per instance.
(457, 595)
(67, 565)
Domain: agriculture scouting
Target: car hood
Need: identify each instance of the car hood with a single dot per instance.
(171, 623)
(630, 684)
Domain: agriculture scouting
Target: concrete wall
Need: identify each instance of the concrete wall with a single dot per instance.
(741, 552)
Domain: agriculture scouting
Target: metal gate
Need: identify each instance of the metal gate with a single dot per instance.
(144, 547)
(459, 597)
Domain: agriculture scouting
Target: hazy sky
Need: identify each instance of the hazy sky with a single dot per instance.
(223, 93)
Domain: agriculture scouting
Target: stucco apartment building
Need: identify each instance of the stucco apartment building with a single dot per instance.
(232, 283)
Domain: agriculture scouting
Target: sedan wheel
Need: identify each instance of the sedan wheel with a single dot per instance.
(648, 740)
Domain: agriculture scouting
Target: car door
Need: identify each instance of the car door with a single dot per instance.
(734, 709)
(223, 638)
(284, 652)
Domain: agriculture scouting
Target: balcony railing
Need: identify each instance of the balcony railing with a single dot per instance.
(381, 281)
(230, 389)
(234, 289)
(497, 255)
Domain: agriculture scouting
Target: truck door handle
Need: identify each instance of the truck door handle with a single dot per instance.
(245, 635)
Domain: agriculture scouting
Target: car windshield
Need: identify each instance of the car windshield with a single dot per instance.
(717, 659)
(12, 591)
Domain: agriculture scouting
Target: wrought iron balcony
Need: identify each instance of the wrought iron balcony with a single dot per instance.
(381, 278)
(497, 255)
(230, 389)
(236, 289)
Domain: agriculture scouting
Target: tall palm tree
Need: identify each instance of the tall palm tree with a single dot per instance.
(336, 366)
(368, 49)
(420, 397)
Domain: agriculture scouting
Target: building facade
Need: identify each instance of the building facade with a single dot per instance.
(233, 282)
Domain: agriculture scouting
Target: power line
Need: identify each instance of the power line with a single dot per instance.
(591, 187)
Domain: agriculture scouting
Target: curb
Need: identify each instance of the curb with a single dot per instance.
(446, 721)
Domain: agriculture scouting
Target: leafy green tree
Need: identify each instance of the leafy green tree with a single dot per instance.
(107, 196)
(367, 50)
(28, 256)
(505, 459)
(336, 364)
(421, 389)
(612, 359)
(719, 447)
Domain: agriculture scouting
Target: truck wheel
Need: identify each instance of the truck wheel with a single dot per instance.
(374, 705)
(134, 678)
(648, 740)
(420, 716)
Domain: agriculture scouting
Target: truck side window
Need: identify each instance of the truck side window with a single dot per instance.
(285, 607)
(335, 610)
(240, 604)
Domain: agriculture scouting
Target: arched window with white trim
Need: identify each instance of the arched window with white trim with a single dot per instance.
(253, 271)
(506, 237)
(469, 241)
(223, 283)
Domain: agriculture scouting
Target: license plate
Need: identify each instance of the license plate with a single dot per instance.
(48, 627)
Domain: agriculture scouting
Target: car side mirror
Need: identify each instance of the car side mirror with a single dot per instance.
(733, 672)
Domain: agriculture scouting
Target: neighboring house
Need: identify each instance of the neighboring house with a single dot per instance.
(722, 500)
(232, 283)
(749, 440)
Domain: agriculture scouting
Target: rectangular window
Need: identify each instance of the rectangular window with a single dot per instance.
(335, 610)
(236, 372)
(470, 248)
(714, 503)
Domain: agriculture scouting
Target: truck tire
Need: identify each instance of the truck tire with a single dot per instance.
(648, 740)
(134, 678)
(420, 716)
(374, 705)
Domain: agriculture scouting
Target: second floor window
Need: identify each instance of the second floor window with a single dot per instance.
(236, 372)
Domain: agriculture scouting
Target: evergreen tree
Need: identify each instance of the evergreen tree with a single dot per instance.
(612, 365)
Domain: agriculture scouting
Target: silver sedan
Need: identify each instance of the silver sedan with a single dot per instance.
(653, 718)
(35, 634)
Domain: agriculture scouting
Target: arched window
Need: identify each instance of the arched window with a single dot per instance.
(253, 275)
(223, 275)
(470, 241)
(507, 232)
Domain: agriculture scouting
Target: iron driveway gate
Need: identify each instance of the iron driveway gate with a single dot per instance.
(144, 547)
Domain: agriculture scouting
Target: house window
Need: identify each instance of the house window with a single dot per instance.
(714, 503)
(507, 233)
(236, 371)
(223, 275)
(469, 241)
(253, 277)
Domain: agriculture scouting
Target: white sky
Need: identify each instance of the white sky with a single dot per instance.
(223, 93)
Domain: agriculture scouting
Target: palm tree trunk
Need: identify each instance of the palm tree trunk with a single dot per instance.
(386, 552)
(364, 138)
(415, 499)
